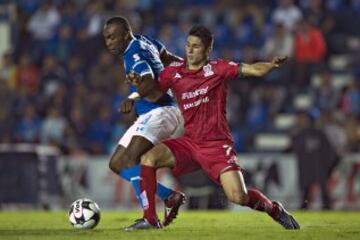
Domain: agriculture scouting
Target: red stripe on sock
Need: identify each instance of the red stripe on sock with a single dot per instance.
(260, 202)
(148, 190)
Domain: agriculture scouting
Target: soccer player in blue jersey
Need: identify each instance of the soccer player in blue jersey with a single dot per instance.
(158, 119)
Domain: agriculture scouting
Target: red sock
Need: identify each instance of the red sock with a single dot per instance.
(148, 190)
(260, 202)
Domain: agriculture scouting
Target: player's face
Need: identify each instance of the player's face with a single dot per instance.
(116, 39)
(196, 53)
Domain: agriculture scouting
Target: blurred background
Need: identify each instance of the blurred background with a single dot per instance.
(297, 131)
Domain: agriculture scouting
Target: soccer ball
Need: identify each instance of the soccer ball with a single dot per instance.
(84, 214)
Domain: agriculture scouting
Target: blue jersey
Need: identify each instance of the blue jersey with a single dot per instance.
(143, 56)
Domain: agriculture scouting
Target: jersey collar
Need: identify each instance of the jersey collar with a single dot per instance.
(186, 70)
(129, 45)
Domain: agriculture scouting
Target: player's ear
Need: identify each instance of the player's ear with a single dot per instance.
(208, 50)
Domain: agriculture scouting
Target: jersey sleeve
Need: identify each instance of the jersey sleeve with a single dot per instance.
(228, 69)
(139, 64)
(165, 79)
(159, 45)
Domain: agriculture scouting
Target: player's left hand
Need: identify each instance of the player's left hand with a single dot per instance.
(278, 61)
(133, 78)
(126, 105)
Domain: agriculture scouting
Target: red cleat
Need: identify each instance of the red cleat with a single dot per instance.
(172, 205)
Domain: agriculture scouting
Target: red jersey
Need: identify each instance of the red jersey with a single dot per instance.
(201, 96)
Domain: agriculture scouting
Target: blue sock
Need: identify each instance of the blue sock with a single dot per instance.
(133, 175)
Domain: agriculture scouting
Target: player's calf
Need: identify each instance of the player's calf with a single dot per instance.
(238, 198)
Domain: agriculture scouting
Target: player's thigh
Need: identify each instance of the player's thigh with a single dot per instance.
(182, 150)
(136, 148)
(131, 147)
(159, 156)
(234, 185)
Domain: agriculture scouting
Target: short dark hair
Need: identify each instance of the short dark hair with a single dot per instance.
(203, 33)
(120, 21)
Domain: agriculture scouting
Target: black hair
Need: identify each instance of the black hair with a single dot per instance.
(203, 33)
(120, 21)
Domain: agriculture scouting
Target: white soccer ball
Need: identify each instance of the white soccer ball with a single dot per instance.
(84, 214)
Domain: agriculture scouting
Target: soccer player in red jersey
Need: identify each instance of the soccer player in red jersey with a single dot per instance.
(200, 87)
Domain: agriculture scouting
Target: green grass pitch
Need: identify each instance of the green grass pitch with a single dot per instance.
(189, 225)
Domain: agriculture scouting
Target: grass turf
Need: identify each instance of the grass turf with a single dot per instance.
(189, 225)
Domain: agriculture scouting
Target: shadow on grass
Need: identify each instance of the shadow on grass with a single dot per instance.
(54, 232)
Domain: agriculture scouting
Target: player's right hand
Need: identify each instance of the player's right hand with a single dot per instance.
(133, 78)
(278, 61)
(126, 105)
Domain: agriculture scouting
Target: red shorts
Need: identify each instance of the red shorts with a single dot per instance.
(214, 157)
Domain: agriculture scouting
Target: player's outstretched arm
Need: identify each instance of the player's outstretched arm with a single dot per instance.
(260, 69)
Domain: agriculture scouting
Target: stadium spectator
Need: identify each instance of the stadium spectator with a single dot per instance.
(310, 46)
(63, 43)
(60, 100)
(71, 14)
(52, 75)
(310, 49)
(257, 117)
(28, 75)
(42, 26)
(53, 127)
(78, 124)
(326, 96)
(352, 128)
(6, 125)
(279, 43)
(75, 71)
(8, 70)
(96, 16)
(103, 75)
(315, 11)
(350, 99)
(288, 14)
(7, 120)
(28, 127)
(99, 131)
(335, 132)
(315, 157)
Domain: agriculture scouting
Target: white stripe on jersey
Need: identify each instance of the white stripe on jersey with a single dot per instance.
(147, 72)
(139, 62)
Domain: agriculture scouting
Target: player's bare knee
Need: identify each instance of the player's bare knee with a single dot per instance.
(148, 159)
(120, 161)
(115, 165)
(132, 159)
(238, 197)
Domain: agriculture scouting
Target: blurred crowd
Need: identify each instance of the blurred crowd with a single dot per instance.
(59, 85)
